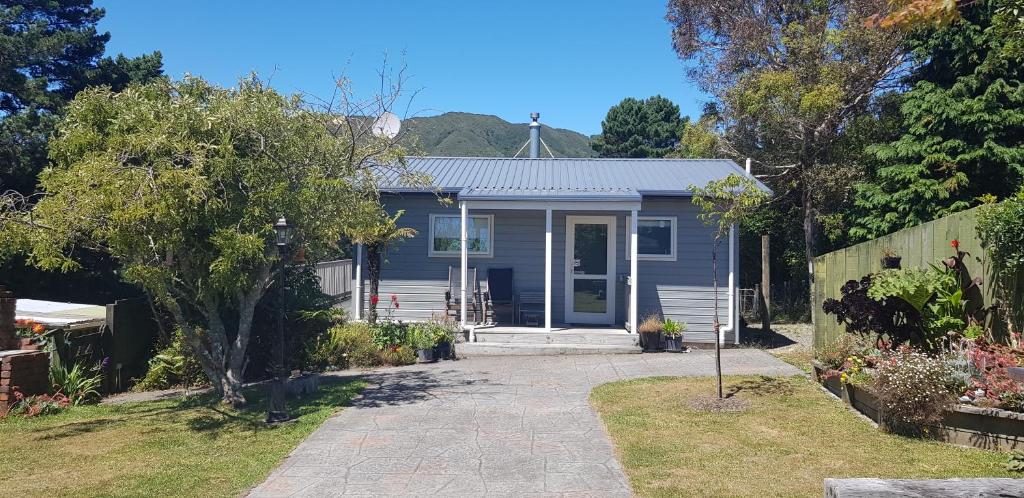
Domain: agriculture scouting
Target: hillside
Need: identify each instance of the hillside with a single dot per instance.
(466, 134)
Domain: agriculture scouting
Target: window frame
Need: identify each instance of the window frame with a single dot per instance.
(458, 254)
(673, 223)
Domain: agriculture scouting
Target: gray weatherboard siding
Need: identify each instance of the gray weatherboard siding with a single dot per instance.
(679, 289)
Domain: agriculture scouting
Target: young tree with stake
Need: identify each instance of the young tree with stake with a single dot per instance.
(725, 204)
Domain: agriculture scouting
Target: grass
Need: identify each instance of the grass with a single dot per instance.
(786, 444)
(193, 447)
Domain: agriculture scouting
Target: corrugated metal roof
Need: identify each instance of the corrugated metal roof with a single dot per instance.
(578, 179)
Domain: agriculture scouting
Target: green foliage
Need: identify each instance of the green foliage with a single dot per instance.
(421, 336)
(672, 328)
(172, 366)
(398, 356)
(344, 346)
(1001, 230)
(727, 202)
(181, 183)
(388, 334)
(463, 134)
(913, 285)
(79, 384)
(49, 51)
(963, 119)
(640, 128)
(1015, 463)
(834, 354)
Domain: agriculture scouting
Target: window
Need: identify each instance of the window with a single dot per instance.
(656, 238)
(445, 235)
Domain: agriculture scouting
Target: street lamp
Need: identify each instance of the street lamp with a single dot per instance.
(277, 411)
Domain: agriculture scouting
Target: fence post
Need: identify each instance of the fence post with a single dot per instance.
(766, 285)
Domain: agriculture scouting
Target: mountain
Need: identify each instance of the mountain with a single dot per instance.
(463, 134)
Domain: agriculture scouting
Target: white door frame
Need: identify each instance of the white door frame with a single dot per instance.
(608, 317)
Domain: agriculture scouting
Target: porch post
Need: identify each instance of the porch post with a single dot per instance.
(357, 295)
(463, 303)
(547, 270)
(633, 287)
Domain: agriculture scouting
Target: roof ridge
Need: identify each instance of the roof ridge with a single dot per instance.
(644, 159)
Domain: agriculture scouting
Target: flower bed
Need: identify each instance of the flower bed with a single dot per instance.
(966, 425)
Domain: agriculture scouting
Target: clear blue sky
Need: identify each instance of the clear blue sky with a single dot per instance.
(570, 61)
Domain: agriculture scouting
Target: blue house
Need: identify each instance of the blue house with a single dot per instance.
(589, 244)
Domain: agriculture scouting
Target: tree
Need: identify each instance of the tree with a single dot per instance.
(376, 230)
(50, 51)
(640, 128)
(181, 183)
(788, 75)
(724, 205)
(963, 120)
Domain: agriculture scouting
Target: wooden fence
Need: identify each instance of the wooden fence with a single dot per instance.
(335, 278)
(918, 247)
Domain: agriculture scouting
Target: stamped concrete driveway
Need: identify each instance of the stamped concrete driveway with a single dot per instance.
(486, 426)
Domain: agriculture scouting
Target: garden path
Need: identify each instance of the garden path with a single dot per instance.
(486, 426)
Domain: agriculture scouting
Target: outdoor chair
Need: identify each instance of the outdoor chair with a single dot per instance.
(500, 297)
(453, 296)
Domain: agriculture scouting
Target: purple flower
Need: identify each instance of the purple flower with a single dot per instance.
(105, 363)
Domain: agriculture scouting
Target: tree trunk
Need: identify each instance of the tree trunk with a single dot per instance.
(716, 324)
(373, 265)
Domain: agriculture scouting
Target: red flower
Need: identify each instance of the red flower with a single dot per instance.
(374, 299)
(955, 244)
(394, 301)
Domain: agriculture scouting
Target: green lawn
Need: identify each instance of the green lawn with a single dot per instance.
(791, 439)
(194, 447)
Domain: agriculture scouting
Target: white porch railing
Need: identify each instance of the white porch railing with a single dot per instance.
(335, 278)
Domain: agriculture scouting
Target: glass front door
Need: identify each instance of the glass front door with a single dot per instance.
(590, 266)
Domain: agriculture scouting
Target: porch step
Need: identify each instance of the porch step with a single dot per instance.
(616, 338)
(469, 349)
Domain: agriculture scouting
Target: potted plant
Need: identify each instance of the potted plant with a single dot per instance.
(423, 342)
(890, 260)
(672, 335)
(650, 333)
(444, 337)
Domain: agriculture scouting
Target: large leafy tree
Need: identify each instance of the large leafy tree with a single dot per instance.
(49, 51)
(640, 128)
(964, 127)
(181, 184)
(789, 76)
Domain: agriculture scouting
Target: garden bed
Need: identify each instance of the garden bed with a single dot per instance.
(985, 428)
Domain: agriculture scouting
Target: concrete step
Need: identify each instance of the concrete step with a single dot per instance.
(469, 349)
(607, 338)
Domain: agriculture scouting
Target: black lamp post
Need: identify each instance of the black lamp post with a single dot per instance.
(277, 411)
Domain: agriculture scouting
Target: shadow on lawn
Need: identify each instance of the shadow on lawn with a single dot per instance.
(204, 413)
(762, 386)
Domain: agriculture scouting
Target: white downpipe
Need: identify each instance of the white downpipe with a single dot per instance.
(634, 289)
(463, 303)
(357, 295)
(547, 269)
(733, 310)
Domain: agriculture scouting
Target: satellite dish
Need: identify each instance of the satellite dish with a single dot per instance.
(387, 125)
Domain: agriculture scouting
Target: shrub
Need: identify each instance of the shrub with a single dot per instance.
(422, 336)
(894, 320)
(913, 390)
(672, 328)
(173, 366)
(397, 356)
(344, 346)
(78, 384)
(31, 406)
(835, 354)
(991, 361)
(651, 324)
(387, 334)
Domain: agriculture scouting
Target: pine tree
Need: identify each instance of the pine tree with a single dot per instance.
(49, 51)
(964, 129)
(640, 128)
